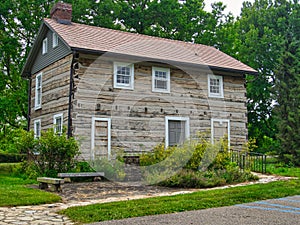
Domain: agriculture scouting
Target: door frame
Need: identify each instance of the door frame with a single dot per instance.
(220, 121)
(108, 120)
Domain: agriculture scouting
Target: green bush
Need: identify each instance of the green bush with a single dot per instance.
(195, 163)
(113, 169)
(6, 157)
(206, 179)
(50, 154)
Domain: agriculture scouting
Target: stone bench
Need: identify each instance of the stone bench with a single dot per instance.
(82, 174)
(55, 182)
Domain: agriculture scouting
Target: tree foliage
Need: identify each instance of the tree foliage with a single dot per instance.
(287, 88)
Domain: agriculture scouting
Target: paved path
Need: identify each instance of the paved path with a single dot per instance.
(46, 214)
(271, 212)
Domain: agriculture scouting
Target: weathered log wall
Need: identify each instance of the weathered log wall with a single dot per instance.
(55, 93)
(138, 116)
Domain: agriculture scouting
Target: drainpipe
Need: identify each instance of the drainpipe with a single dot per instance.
(71, 96)
(29, 102)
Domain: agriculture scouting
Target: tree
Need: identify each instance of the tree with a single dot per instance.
(287, 88)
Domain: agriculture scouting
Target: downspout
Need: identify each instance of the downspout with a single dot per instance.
(29, 102)
(69, 132)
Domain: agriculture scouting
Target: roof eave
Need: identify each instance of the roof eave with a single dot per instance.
(177, 63)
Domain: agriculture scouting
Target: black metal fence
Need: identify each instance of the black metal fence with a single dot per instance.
(253, 161)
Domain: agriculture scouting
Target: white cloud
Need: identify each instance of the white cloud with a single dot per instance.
(233, 6)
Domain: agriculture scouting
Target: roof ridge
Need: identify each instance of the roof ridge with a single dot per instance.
(137, 34)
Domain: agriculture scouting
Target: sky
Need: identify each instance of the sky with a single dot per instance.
(233, 6)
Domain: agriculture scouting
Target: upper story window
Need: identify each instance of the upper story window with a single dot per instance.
(38, 91)
(54, 40)
(58, 123)
(160, 79)
(215, 86)
(123, 75)
(45, 46)
(37, 128)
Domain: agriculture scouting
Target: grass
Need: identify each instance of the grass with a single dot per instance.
(179, 203)
(283, 170)
(15, 193)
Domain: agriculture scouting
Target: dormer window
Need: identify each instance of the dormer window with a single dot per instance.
(54, 40)
(45, 46)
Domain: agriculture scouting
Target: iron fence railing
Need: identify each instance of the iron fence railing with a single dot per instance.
(253, 161)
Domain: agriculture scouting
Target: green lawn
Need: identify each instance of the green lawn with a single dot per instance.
(15, 193)
(179, 203)
(283, 171)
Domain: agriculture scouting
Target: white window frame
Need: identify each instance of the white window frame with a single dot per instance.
(183, 119)
(220, 121)
(54, 40)
(215, 95)
(45, 46)
(60, 115)
(129, 86)
(38, 91)
(37, 123)
(108, 120)
(161, 69)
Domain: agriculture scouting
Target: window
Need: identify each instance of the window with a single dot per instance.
(37, 128)
(123, 75)
(45, 46)
(177, 130)
(58, 123)
(220, 128)
(215, 86)
(38, 91)
(160, 79)
(55, 40)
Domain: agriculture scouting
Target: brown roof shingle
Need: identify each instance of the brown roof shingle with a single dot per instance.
(107, 40)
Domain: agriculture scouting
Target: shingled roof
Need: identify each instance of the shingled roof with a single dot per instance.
(97, 39)
(107, 40)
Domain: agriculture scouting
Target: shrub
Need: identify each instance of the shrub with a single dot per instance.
(196, 163)
(50, 154)
(6, 157)
(113, 169)
(206, 179)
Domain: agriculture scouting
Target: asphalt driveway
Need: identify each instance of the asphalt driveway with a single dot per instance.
(283, 211)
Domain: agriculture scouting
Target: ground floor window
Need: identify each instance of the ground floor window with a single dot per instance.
(177, 130)
(58, 123)
(37, 128)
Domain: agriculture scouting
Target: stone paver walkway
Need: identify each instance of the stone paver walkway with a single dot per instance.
(84, 194)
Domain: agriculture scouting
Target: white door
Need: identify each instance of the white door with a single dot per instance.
(101, 138)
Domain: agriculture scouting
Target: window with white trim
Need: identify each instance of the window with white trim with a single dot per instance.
(58, 123)
(160, 79)
(45, 46)
(54, 40)
(123, 75)
(215, 86)
(38, 91)
(37, 128)
(177, 130)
